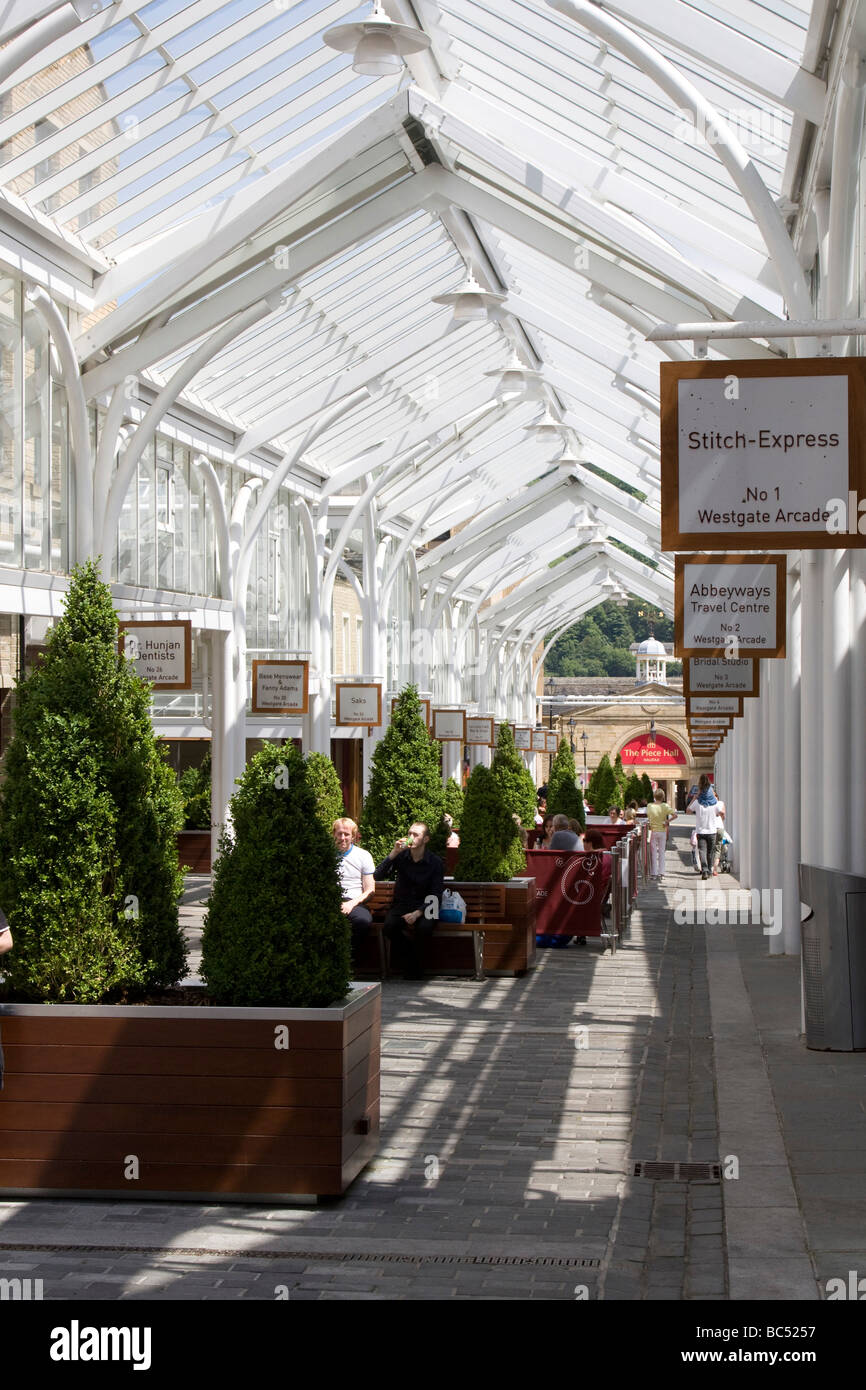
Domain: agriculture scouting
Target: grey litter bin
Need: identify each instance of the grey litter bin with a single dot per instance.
(834, 958)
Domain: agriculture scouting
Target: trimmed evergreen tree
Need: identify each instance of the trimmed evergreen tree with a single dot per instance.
(516, 787)
(491, 849)
(633, 789)
(454, 796)
(89, 813)
(322, 776)
(274, 932)
(647, 786)
(195, 784)
(405, 781)
(620, 778)
(563, 794)
(602, 790)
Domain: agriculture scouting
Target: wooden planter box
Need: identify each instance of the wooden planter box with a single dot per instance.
(201, 1097)
(193, 849)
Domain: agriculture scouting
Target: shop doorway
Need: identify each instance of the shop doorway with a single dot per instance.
(347, 757)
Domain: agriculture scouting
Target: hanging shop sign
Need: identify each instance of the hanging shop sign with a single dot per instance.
(649, 750)
(552, 743)
(425, 708)
(717, 675)
(522, 737)
(161, 651)
(539, 740)
(767, 450)
(727, 603)
(359, 704)
(449, 725)
(715, 704)
(479, 729)
(281, 687)
(710, 721)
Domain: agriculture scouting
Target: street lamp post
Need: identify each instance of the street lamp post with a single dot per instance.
(571, 732)
(584, 738)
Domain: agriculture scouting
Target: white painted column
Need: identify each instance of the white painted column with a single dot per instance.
(836, 800)
(857, 760)
(811, 750)
(775, 858)
(792, 767)
(744, 840)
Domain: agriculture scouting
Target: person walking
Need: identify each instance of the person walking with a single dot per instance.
(417, 898)
(659, 816)
(704, 808)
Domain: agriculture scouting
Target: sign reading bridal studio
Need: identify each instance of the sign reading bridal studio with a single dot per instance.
(645, 751)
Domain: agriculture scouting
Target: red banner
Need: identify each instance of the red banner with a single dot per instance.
(663, 752)
(569, 891)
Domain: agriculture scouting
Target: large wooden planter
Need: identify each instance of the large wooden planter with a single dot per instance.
(193, 850)
(204, 1099)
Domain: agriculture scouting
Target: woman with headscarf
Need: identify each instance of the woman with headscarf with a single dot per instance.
(704, 807)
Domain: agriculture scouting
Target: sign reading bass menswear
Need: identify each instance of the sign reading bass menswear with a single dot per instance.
(767, 450)
(280, 687)
(161, 651)
(725, 604)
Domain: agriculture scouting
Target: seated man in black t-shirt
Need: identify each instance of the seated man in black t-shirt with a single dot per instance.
(417, 897)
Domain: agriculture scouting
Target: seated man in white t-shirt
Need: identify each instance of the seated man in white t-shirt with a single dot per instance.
(356, 878)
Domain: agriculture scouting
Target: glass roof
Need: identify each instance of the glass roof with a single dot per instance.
(270, 229)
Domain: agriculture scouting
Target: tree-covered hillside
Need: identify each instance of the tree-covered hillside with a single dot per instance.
(598, 644)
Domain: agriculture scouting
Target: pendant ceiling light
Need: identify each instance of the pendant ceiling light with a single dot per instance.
(517, 379)
(547, 429)
(471, 301)
(378, 45)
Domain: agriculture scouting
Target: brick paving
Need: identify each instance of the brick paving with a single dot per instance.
(514, 1111)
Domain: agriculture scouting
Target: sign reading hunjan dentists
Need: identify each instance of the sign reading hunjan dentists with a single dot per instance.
(728, 604)
(280, 687)
(770, 450)
(161, 651)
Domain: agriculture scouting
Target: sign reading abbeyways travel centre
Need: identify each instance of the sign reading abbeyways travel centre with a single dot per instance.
(724, 604)
(770, 449)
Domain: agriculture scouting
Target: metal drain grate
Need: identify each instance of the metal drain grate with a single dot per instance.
(331, 1256)
(677, 1172)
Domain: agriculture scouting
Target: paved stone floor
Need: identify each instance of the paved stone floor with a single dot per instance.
(514, 1112)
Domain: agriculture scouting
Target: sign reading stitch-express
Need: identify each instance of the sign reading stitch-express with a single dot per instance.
(774, 449)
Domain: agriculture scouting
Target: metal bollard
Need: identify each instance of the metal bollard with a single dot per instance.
(616, 897)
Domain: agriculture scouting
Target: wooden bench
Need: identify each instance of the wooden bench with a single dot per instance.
(485, 912)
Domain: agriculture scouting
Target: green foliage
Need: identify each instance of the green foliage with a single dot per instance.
(322, 777)
(563, 794)
(491, 849)
(405, 781)
(598, 644)
(647, 786)
(454, 801)
(634, 789)
(274, 932)
(516, 787)
(194, 785)
(620, 778)
(89, 877)
(602, 791)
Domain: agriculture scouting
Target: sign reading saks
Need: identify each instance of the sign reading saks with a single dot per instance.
(727, 603)
(161, 651)
(359, 704)
(280, 687)
(770, 449)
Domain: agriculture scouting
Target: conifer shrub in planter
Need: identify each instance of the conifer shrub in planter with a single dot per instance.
(634, 790)
(89, 814)
(327, 792)
(513, 777)
(563, 794)
(602, 791)
(454, 797)
(194, 785)
(647, 787)
(277, 1098)
(405, 782)
(491, 850)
